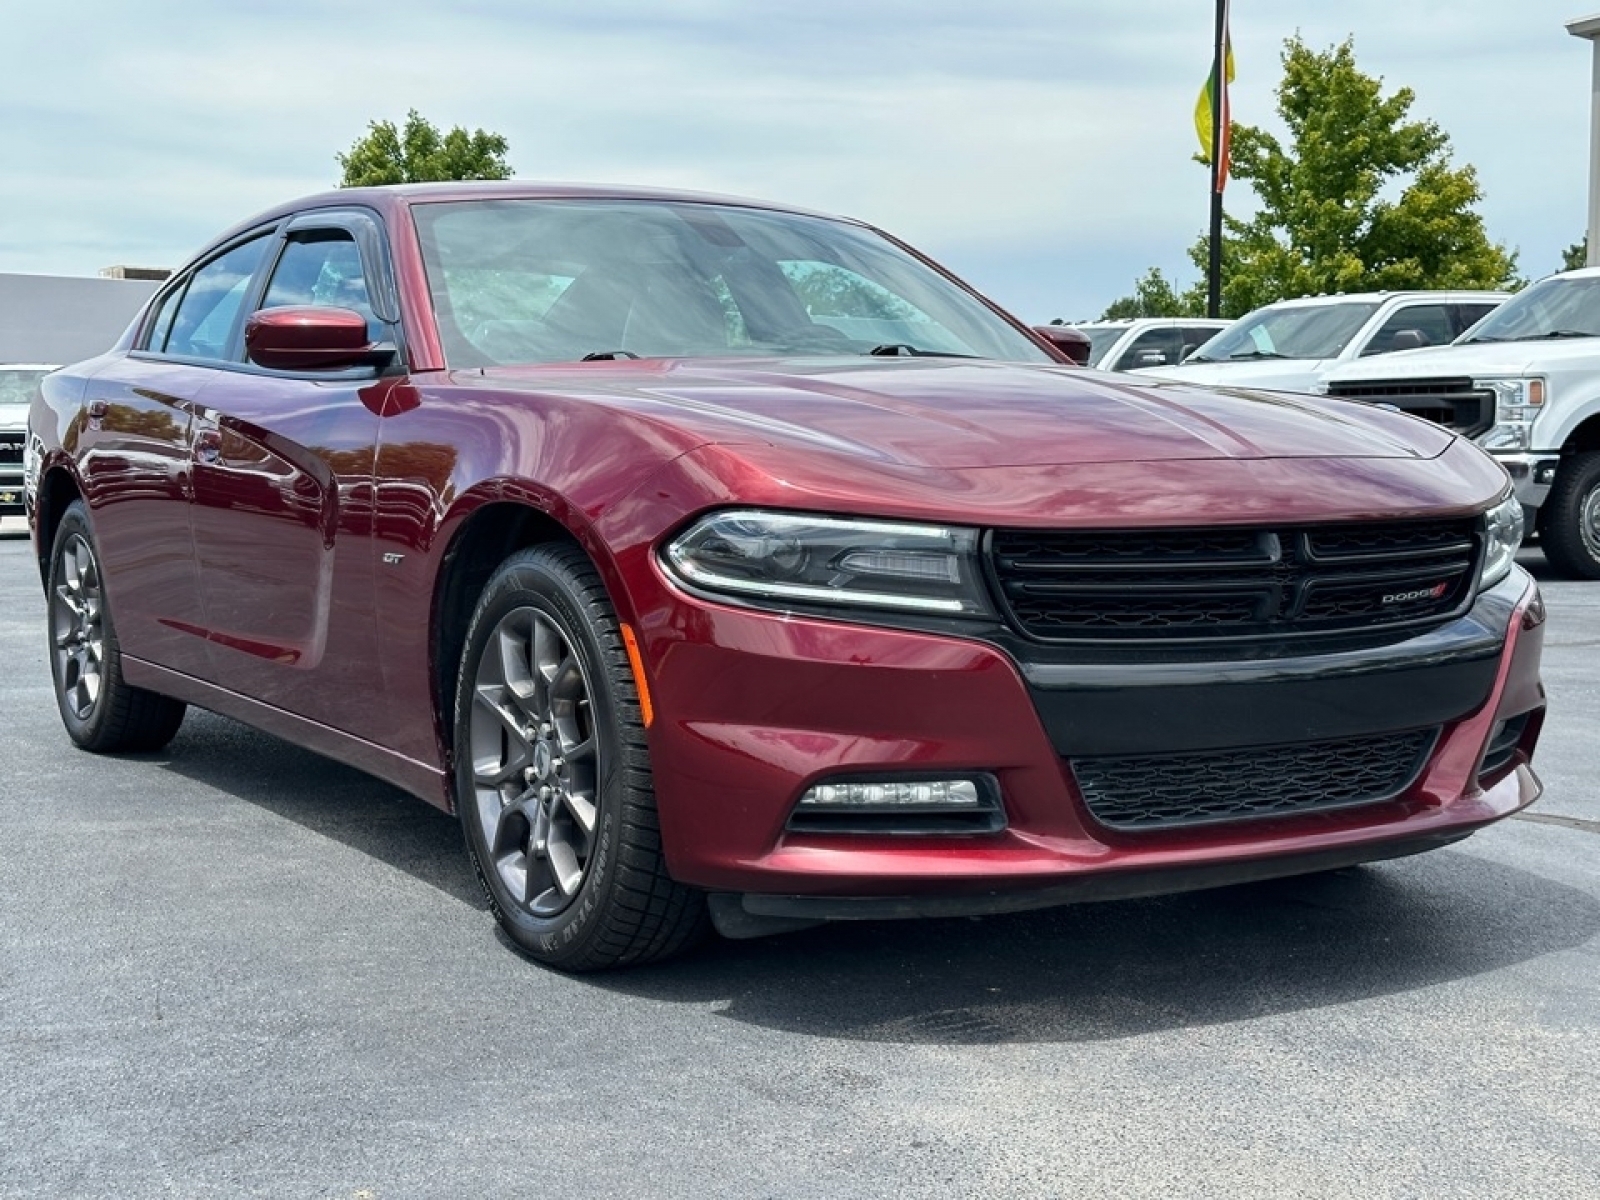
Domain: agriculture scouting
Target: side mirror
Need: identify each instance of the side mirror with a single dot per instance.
(1150, 358)
(309, 338)
(1409, 339)
(1069, 341)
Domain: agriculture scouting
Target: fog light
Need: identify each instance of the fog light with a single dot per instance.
(894, 795)
(885, 805)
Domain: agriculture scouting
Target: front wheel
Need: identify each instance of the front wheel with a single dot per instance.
(1569, 521)
(101, 712)
(552, 775)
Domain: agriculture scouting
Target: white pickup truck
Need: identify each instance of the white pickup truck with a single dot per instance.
(1289, 346)
(1524, 383)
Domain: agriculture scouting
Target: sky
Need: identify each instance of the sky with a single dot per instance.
(1041, 149)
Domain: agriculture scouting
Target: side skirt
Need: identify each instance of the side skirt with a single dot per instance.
(426, 781)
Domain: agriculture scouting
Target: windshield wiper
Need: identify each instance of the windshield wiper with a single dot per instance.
(907, 350)
(1201, 358)
(1559, 333)
(1254, 354)
(1471, 341)
(607, 355)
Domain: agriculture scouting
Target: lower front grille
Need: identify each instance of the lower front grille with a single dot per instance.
(1177, 790)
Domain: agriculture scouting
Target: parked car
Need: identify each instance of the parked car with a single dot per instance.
(19, 383)
(1291, 345)
(710, 558)
(1146, 341)
(1525, 384)
(1068, 339)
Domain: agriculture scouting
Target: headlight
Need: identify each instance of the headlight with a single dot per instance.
(1516, 403)
(783, 559)
(1502, 531)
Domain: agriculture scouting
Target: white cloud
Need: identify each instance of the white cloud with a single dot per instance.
(1043, 150)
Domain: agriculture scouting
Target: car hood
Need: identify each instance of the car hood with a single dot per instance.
(1479, 358)
(956, 414)
(13, 416)
(1292, 374)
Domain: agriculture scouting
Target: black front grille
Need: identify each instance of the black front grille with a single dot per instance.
(1174, 790)
(11, 447)
(1453, 403)
(1061, 585)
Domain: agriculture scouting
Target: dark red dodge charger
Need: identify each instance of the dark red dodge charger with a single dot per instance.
(720, 563)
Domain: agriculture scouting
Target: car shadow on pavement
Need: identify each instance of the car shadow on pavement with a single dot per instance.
(338, 802)
(1113, 970)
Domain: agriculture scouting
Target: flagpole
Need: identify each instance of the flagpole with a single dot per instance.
(1218, 89)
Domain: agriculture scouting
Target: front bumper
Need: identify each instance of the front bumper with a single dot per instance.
(754, 708)
(1531, 473)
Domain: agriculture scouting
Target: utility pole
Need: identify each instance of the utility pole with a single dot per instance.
(1219, 133)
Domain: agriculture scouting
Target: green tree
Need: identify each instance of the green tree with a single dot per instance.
(1154, 296)
(419, 153)
(1576, 255)
(1361, 198)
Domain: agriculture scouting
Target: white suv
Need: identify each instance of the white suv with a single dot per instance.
(1291, 345)
(18, 384)
(1146, 341)
(1525, 385)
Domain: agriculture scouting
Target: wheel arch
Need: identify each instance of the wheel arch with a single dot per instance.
(1583, 437)
(58, 488)
(494, 529)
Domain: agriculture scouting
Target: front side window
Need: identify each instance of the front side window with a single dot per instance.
(322, 268)
(1156, 347)
(1410, 327)
(536, 281)
(203, 324)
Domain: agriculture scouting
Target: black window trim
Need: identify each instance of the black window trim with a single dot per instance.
(364, 225)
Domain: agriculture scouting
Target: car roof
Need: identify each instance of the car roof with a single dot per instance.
(1381, 297)
(393, 196)
(28, 366)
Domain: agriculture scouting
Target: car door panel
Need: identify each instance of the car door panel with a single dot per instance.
(282, 501)
(133, 455)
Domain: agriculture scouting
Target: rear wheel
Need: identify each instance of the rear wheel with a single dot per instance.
(553, 774)
(101, 712)
(1569, 520)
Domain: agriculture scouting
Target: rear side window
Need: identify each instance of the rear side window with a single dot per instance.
(1468, 315)
(155, 336)
(203, 324)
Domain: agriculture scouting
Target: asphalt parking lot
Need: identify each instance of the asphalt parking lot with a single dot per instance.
(236, 969)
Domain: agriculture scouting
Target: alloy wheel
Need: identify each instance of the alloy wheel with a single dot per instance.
(535, 761)
(77, 624)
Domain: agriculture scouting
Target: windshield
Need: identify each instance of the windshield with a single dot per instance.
(19, 385)
(535, 281)
(1561, 306)
(1101, 339)
(1288, 331)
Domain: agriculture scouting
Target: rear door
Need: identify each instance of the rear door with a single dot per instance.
(134, 458)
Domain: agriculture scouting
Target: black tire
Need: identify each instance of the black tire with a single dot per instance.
(552, 778)
(1569, 519)
(102, 713)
